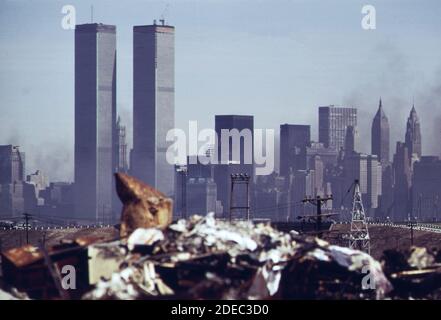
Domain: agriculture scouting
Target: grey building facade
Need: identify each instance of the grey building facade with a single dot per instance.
(426, 189)
(402, 183)
(95, 118)
(12, 164)
(329, 156)
(12, 170)
(294, 139)
(235, 165)
(201, 196)
(153, 104)
(367, 170)
(333, 124)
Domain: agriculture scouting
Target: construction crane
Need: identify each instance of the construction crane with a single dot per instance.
(359, 235)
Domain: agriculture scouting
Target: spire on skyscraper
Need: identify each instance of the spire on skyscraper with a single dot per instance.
(413, 133)
(380, 135)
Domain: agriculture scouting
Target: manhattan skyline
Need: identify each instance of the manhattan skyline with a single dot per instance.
(257, 66)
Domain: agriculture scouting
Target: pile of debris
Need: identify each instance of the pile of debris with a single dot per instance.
(414, 274)
(205, 258)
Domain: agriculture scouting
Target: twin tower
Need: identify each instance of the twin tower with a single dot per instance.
(95, 113)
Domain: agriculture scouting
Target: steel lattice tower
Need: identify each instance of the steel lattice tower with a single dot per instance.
(359, 235)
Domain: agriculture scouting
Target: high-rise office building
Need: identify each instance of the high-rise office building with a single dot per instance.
(153, 104)
(426, 189)
(413, 134)
(302, 185)
(387, 192)
(380, 136)
(95, 118)
(402, 183)
(239, 123)
(11, 164)
(329, 156)
(367, 170)
(350, 140)
(201, 196)
(333, 124)
(12, 169)
(235, 160)
(294, 139)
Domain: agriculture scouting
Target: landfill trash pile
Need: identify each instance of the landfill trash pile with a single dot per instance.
(14, 294)
(414, 274)
(205, 258)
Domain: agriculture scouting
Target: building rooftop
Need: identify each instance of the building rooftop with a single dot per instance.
(96, 27)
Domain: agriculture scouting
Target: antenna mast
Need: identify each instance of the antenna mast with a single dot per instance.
(359, 236)
(163, 14)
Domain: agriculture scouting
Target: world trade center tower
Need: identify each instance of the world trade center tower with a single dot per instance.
(153, 104)
(95, 116)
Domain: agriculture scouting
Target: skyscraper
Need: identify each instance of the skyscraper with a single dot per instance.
(95, 117)
(413, 134)
(239, 123)
(380, 137)
(426, 189)
(333, 124)
(350, 140)
(402, 175)
(294, 139)
(367, 170)
(153, 104)
(11, 181)
(236, 162)
(201, 196)
(11, 164)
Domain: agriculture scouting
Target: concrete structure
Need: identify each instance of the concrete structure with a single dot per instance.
(333, 124)
(34, 186)
(426, 189)
(270, 198)
(12, 169)
(58, 200)
(413, 135)
(294, 139)
(11, 164)
(95, 118)
(39, 179)
(201, 177)
(387, 193)
(367, 170)
(329, 156)
(302, 185)
(402, 183)
(380, 136)
(235, 164)
(153, 104)
(201, 196)
(316, 164)
(350, 140)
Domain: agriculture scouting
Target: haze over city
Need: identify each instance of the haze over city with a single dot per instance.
(277, 60)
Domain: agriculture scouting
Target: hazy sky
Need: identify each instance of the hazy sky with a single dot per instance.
(277, 60)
